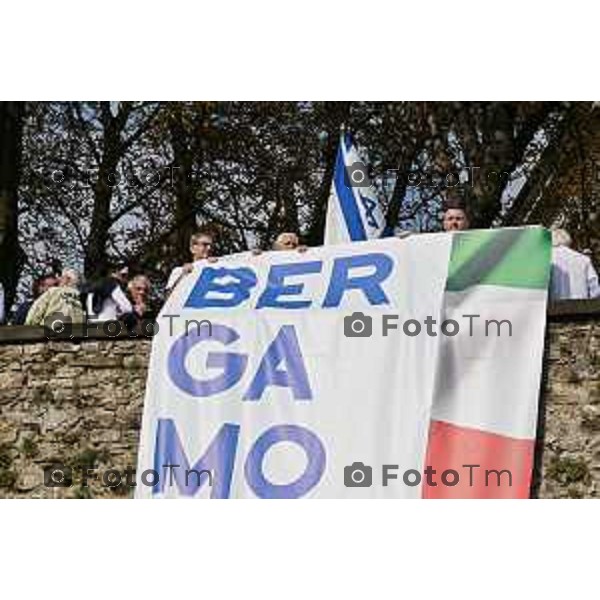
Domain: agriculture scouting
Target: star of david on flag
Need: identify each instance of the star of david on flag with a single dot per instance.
(353, 211)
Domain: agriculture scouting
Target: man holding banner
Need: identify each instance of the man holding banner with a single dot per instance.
(294, 383)
(276, 398)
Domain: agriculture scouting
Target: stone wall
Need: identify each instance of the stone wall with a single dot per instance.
(80, 403)
(568, 454)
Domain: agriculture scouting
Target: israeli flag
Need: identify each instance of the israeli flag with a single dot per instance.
(353, 211)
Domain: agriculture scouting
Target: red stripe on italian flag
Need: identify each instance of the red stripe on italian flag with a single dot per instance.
(489, 465)
(487, 385)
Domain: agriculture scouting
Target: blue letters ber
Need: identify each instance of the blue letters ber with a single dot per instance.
(231, 293)
(342, 281)
(224, 287)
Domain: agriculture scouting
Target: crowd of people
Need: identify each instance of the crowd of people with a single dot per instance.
(117, 296)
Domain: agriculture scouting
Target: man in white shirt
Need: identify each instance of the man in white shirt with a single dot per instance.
(106, 301)
(573, 275)
(201, 245)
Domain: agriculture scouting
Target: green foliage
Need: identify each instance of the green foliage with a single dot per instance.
(88, 457)
(81, 492)
(29, 447)
(568, 470)
(6, 456)
(7, 476)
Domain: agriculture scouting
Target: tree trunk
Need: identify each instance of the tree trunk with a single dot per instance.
(96, 260)
(11, 259)
(185, 200)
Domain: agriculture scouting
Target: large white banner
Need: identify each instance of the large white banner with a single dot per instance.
(284, 387)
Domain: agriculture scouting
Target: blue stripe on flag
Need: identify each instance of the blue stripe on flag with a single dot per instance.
(352, 217)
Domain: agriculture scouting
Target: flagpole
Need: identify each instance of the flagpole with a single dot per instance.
(343, 132)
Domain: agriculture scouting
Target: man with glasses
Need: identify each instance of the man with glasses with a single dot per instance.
(201, 246)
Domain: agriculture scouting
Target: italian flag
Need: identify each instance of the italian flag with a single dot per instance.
(487, 384)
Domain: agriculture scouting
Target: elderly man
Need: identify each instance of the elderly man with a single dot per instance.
(63, 299)
(139, 292)
(455, 216)
(573, 275)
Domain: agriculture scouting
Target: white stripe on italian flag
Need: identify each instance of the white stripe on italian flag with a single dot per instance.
(487, 387)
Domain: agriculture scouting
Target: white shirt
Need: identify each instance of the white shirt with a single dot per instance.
(113, 307)
(573, 275)
(176, 273)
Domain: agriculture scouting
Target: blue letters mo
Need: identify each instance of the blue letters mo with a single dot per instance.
(219, 459)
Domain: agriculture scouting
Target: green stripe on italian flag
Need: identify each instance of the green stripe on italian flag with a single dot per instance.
(487, 386)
